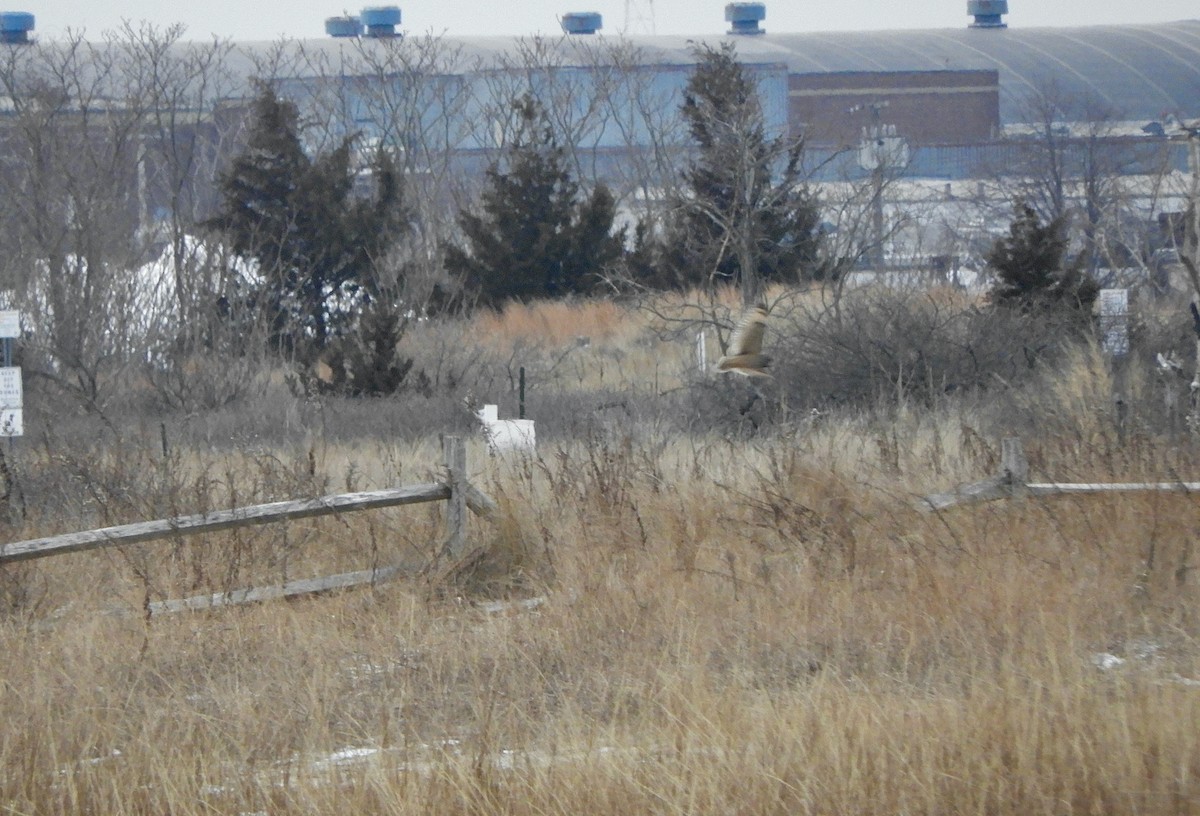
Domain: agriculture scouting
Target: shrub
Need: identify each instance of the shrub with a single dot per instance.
(1032, 271)
(882, 347)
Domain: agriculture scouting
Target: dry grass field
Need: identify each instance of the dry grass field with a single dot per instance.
(696, 622)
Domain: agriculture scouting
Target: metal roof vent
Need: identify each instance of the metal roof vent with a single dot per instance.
(745, 17)
(15, 27)
(987, 13)
(582, 22)
(380, 21)
(348, 26)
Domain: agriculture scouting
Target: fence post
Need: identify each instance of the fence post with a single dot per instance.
(521, 398)
(454, 453)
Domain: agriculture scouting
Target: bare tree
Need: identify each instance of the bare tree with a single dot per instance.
(409, 97)
(75, 134)
(182, 84)
(1069, 159)
(643, 129)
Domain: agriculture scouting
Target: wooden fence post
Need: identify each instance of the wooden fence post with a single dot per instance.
(454, 453)
(459, 494)
(1009, 482)
(1013, 481)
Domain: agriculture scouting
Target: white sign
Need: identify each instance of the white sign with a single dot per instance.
(1114, 301)
(1114, 321)
(10, 323)
(12, 395)
(12, 422)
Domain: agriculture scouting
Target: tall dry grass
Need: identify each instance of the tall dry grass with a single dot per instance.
(724, 625)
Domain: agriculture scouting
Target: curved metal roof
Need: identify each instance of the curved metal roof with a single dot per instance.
(1138, 72)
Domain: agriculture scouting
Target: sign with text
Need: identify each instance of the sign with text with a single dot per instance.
(12, 394)
(12, 400)
(1114, 321)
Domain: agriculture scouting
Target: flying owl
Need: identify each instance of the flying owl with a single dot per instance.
(744, 355)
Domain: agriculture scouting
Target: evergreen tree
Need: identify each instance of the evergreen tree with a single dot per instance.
(535, 235)
(315, 239)
(733, 223)
(1031, 268)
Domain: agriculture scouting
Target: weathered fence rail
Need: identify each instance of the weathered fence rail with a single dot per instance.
(1013, 481)
(457, 491)
(220, 520)
(289, 589)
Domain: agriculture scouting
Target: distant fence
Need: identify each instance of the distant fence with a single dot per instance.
(1013, 481)
(456, 490)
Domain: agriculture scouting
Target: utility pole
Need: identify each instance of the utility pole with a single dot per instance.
(1189, 253)
(879, 151)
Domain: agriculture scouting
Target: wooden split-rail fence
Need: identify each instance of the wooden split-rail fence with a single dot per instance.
(457, 491)
(1013, 481)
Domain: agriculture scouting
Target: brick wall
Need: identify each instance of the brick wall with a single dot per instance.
(926, 107)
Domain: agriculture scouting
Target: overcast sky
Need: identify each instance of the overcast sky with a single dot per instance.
(242, 20)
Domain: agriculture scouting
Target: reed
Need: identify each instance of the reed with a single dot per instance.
(755, 625)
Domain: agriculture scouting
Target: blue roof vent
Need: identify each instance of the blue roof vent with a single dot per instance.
(15, 27)
(348, 26)
(745, 17)
(381, 21)
(987, 13)
(582, 22)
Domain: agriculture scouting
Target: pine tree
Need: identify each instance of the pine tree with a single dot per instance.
(1031, 269)
(316, 241)
(733, 223)
(535, 235)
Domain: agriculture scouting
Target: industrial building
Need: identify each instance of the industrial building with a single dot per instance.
(941, 107)
(950, 94)
(945, 92)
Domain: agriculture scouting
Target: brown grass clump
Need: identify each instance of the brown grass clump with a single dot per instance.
(664, 623)
(553, 322)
